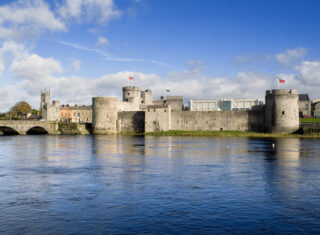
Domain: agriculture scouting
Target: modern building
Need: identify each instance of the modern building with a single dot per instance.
(224, 104)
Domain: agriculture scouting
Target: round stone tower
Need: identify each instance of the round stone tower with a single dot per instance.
(282, 111)
(132, 94)
(105, 115)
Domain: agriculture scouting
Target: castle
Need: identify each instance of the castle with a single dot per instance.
(138, 112)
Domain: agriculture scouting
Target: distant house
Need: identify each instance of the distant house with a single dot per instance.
(304, 105)
(65, 113)
(316, 109)
(76, 113)
(81, 113)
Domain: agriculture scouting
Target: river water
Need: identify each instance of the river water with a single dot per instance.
(164, 185)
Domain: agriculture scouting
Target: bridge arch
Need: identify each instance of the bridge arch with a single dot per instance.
(37, 130)
(8, 130)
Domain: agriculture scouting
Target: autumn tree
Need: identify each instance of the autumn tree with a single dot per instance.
(19, 108)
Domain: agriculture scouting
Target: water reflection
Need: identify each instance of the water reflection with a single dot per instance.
(125, 184)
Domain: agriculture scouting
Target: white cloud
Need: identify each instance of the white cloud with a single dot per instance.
(251, 58)
(12, 95)
(12, 47)
(33, 67)
(76, 64)
(23, 19)
(103, 10)
(191, 83)
(8, 51)
(102, 41)
(84, 48)
(2, 64)
(196, 65)
(107, 56)
(290, 55)
(310, 72)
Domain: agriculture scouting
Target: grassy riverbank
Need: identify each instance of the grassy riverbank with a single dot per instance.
(229, 134)
(313, 120)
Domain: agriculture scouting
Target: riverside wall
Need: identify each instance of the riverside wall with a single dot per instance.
(252, 120)
(131, 121)
(162, 119)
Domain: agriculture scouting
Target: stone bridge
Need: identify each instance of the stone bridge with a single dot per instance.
(24, 127)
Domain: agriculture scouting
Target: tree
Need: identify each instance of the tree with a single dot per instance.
(18, 109)
(21, 107)
(34, 112)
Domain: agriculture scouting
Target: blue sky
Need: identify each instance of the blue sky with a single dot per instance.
(196, 48)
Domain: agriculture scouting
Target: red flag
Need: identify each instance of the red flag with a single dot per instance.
(281, 80)
(130, 78)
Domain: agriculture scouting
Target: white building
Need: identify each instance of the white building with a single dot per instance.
(223, 105)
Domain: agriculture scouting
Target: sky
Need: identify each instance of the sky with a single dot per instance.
(200, 49)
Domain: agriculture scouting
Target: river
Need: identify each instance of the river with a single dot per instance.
(128, 185)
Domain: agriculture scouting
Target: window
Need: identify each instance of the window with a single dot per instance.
(283, 112)
(306, 106)
(226, 105)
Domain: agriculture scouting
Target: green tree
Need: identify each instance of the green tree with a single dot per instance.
(34, 112)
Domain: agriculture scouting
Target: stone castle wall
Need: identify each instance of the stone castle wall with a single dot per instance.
(158, 118)
(133, 121)
(252, 120)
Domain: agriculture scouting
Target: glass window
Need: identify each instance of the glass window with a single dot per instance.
(226, 105)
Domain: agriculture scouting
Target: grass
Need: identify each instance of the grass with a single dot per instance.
(317, 120)
(132, 133)
(67, 128)
(228, 134)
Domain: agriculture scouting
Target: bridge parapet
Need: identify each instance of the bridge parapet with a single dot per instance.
(23, 126)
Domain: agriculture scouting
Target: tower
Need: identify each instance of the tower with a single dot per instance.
(132, 94)
(146, 97)
(282, 111)
(105, 115)
(44, 103)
